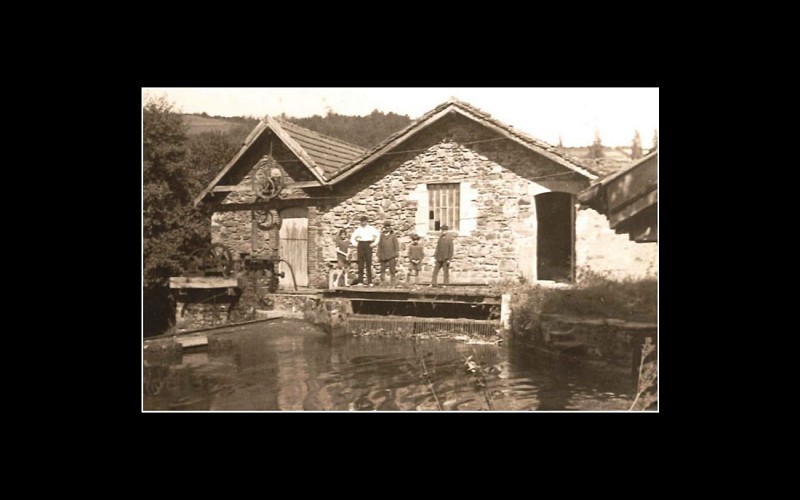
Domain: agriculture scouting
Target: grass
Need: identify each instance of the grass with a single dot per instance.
(631, 300)
(595, 296)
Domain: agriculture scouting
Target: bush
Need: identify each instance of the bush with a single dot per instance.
(595, 296)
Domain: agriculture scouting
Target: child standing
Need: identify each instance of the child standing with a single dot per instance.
(342, 247)
(415, 255)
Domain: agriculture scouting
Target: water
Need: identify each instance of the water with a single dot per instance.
(291, 365)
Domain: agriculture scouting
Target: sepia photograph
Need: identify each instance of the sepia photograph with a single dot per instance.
(400, 249)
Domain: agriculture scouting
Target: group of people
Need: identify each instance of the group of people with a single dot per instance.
(366, 237)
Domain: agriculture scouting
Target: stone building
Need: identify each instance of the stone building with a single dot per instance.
(509, 197)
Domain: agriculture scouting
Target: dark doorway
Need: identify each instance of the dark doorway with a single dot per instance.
(554, 215)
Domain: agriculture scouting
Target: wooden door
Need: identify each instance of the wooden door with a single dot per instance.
(293, 237)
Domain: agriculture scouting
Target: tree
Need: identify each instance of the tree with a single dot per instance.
(208, 153)
(597, 146)
(655, 141)
(366, 131)
(636, 147)
(171, 227)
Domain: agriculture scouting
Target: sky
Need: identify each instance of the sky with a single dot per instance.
(574, 113)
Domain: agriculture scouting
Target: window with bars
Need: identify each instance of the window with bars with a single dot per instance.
(443, 206)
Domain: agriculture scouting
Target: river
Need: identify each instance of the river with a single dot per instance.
(287, 364)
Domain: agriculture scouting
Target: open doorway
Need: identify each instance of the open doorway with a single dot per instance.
(555, 236)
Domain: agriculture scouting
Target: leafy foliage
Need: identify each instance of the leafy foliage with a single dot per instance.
(366, 131)
(647, 390)
(636, 147)
(171, 227)
(208, 153)
(596, 149)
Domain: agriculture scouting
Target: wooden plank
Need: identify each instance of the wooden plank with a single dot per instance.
(632, 185)
(422, 300)
(203, 282)
(293, 245)
(246, 187)
(192, 341)
(632, 209)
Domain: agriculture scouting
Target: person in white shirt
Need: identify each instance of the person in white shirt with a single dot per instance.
(365, 238)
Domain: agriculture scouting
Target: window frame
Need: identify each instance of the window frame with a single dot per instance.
(444, 205)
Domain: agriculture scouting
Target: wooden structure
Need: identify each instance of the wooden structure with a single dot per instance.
(629, 199)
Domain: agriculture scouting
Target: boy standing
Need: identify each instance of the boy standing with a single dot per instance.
(444, 252)
(415, 255)
(388, 248)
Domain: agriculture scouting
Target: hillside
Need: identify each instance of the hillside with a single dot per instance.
(366, 131)
(236, 128)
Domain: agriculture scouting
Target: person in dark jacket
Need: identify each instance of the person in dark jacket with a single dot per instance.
(416, 253)
(443, 255)
(388, 249)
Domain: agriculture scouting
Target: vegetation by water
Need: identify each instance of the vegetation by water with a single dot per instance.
(595, 295)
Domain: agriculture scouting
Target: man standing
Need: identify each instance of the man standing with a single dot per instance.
(388, 248)
(365, 238)
(443, 255)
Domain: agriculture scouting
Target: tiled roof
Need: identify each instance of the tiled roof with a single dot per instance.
(329, 153)
(467, 109)
(331, 160)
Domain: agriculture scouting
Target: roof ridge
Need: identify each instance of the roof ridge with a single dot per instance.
(284, 121)
(545, 147)
(550, 148)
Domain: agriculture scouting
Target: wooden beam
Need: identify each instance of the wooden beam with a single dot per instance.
(257, 131)
(242, 188)
(632, 209)
(192, 341)
(203, 282)
(631, 186)
(296, 148)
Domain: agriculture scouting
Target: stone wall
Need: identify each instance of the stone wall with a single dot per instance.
(599, 249)
(497, 236)
(201, 308)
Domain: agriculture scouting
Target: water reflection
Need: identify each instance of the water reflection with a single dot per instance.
(291, 365)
